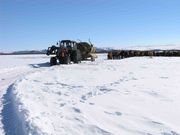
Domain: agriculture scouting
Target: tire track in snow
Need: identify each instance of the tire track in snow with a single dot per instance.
(12, 68)
(13, 124)
(15, 118)
(8, 77)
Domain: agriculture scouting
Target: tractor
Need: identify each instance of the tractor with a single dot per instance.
(70, 51)
(65, 53)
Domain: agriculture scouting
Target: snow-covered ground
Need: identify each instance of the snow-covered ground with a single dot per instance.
(12, 68)
(133, 96)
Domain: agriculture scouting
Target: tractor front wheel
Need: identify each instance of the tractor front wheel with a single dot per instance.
(53, 61)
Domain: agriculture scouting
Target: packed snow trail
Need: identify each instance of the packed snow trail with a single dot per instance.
(12, 68)
(135, 96)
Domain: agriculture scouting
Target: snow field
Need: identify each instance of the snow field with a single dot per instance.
(134, 96)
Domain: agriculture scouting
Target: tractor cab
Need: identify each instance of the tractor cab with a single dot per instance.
(68, 44)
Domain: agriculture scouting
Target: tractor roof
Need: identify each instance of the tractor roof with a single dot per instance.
(67, 41)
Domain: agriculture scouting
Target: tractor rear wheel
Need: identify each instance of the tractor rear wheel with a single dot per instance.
(75, 57)
(92, 58)
(67, 60)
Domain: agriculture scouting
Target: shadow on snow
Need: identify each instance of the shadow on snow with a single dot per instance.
(47, 64)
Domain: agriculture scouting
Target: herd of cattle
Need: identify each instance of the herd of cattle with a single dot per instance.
(120, 54)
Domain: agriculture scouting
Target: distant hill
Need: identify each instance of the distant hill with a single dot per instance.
(154, 47)
(30, 52)
(98, 50)
(101, 49)
(24, 52)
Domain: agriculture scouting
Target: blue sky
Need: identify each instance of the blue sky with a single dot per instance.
(36, 24)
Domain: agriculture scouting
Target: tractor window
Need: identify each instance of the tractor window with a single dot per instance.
(69, 46)
(62, 44)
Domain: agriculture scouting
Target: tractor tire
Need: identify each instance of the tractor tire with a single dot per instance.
(67, 60)
(61, 60)
(74, 57)
(92, 59)
(77, 56)
(53, 61)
